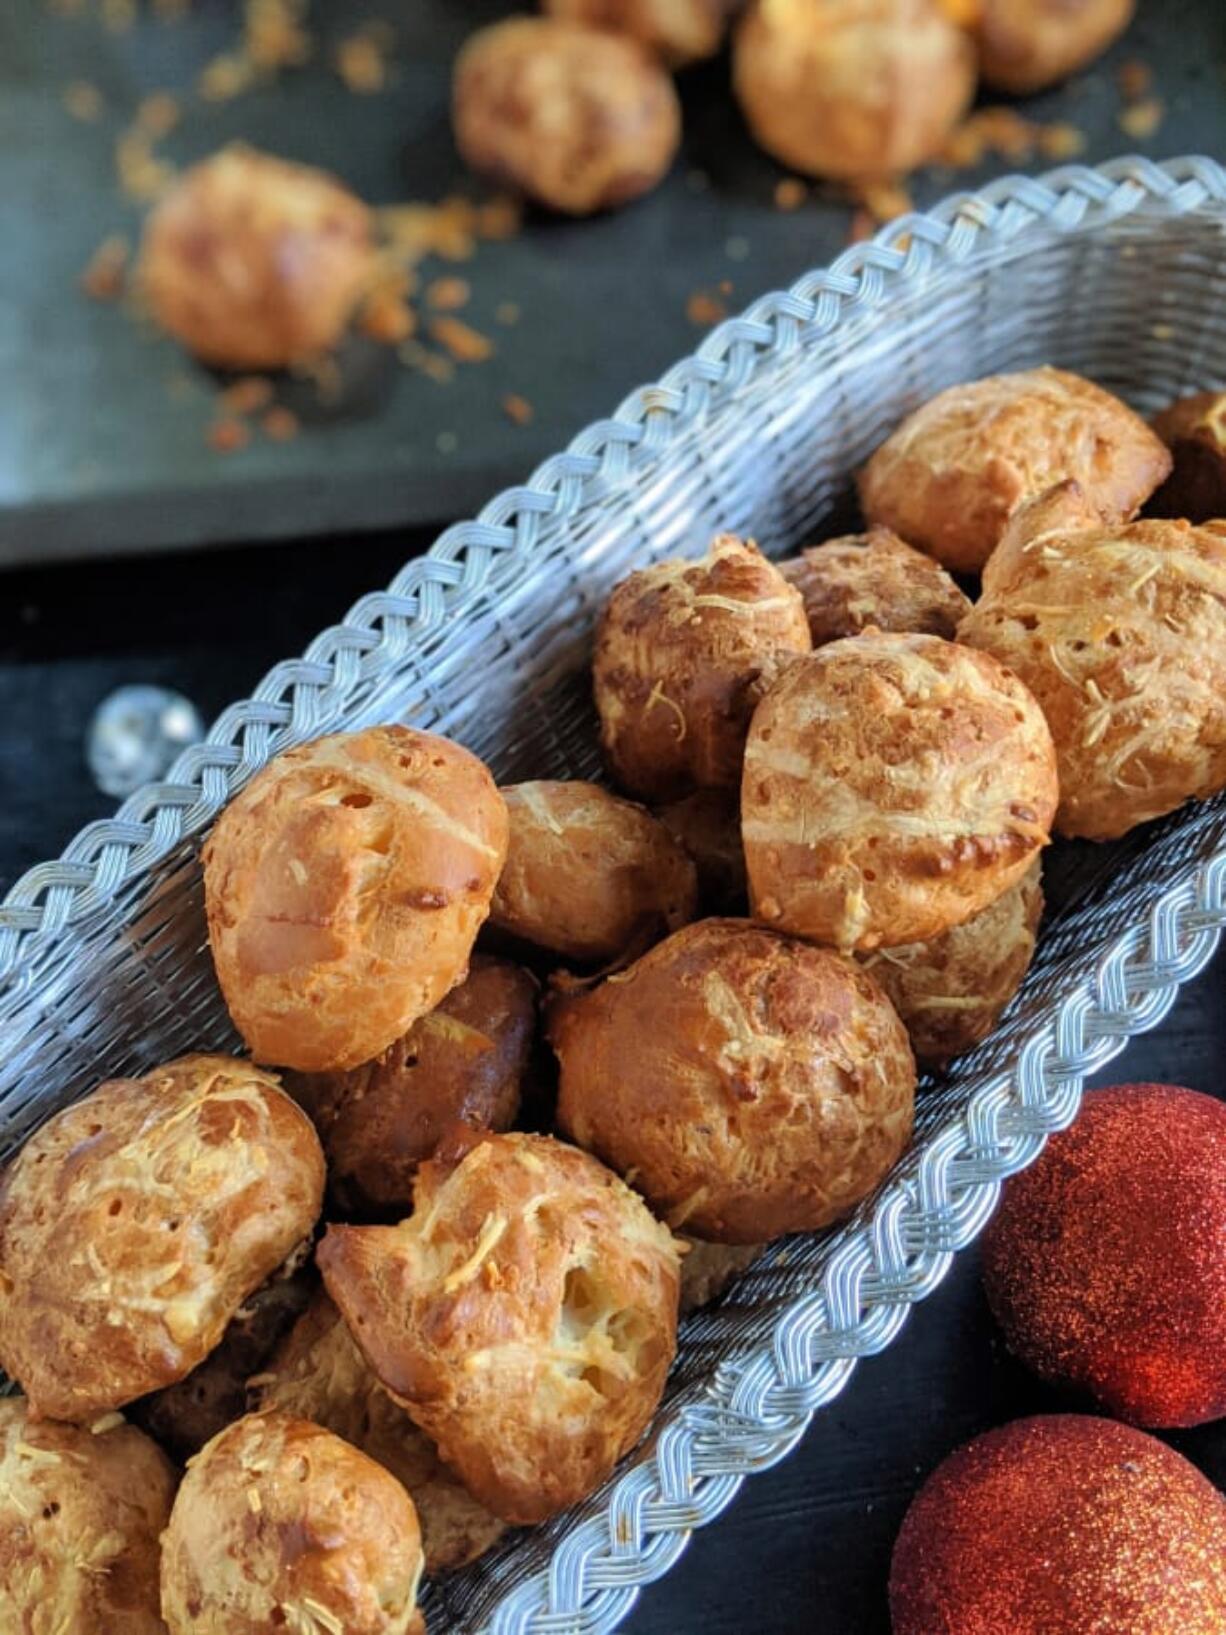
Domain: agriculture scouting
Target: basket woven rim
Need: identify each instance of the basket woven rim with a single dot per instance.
(756, 1408)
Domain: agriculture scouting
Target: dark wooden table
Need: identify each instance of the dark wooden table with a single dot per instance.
(807, 1546)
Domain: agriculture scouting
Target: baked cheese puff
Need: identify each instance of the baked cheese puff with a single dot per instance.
(681, 31)
(1026, 45)
(81, 1511)
(134, 1224)
(894, 786)
(1120, 633)
(525, 1315)
(873, 580)
(588, 874)
(320, 1374)
(951, 990)
(749, 1084)
(576, 118)
(956, 470)
(1194, 429)
(462, 1063)
(851, 89)
(254, 263)
(684, 650)
(278, 1524)
(344, 887)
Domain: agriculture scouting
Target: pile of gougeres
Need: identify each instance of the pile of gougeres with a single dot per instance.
(836, 779)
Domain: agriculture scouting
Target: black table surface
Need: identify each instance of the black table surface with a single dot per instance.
(109, 451)
(806, 1546)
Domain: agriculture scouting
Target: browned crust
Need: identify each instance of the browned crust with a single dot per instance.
(280, 1524)
(874, 580)
(524, 1315)
(344, 888)
(254, 263)
(588, 874)
(684, 650)
(1026, 45)
(707, 824)
(320, 1374)
(1194, 429)
(134, 1224)
(81, 1512)
(680, 31)
(463, 1063)
(748, 1084)
(1120, 633)
(853, 91)
(579, 119)
(951, 991)
(894, 786)
(954, 472)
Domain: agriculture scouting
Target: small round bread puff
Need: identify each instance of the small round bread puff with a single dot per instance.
(873, 579)
(851, 89)
(684, 650)
(1194, 429)
(1026, 45)
(956, 470)
(950, 991)
(344, 887)
(280, 1524)
(254, 263)
(1120, 633)
(525, 1315)
(320, 1374)
(81, 1512)
(707, 825)
(134, 1224)
(750, 1084)
(894, 786)
(681, 31)
(587, 874)
(462, 1063)
(578, 119)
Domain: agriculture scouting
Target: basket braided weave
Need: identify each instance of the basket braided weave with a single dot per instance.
(1118, 272)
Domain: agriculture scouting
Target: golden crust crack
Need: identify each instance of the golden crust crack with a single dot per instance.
(748, 1084)
(525, 1316)
(874, 580)
(134, 1224)
(344, 887)
(894, 786)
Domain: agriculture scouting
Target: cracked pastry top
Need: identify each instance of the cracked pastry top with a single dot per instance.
(524, 1314)
(873, 580)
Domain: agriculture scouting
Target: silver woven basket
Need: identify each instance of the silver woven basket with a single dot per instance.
(1118, 273)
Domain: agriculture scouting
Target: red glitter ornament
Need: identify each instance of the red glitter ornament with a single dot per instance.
(1062, 1525)
(1105, 1264)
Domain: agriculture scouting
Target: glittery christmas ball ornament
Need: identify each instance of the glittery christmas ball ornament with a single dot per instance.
(1062, 1525)
(1105, 1264)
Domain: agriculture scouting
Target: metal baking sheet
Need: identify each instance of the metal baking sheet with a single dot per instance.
(103, 424)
